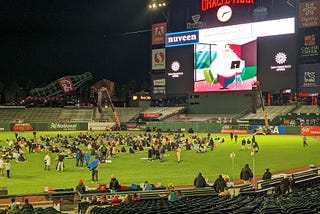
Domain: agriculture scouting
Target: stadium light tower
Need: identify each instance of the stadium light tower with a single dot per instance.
(154, 4)
(159, 6)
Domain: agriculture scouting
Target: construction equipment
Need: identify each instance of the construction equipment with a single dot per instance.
(115, 115)
(265, 129)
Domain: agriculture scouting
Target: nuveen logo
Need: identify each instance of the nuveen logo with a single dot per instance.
(182, 38)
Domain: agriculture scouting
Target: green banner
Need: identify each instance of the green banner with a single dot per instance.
(5, 127)
(63, 126)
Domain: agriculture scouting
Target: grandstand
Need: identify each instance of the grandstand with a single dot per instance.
(126, 114)
(295, 202)
(303, 197)
(307, 109)
(75, 114)
(272, 112)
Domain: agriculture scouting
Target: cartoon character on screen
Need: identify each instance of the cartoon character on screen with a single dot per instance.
(227, 66)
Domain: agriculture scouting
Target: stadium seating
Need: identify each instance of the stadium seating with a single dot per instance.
(272, 112)
(294, 202)
(307, 109)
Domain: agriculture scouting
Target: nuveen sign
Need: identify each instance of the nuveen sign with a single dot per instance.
(182, 38)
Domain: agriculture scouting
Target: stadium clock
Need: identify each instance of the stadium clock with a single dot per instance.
(224, 13)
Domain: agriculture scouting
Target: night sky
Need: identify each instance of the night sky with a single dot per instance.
(44, 40)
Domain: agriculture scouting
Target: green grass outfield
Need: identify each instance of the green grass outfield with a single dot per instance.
(277, 152)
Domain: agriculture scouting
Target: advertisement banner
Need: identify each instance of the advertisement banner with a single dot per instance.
(151, 115)
(22, 127)
(182, 38)
(158, 86)
(196, 22)
(309, 43)
(158, 59)
(159, 31)
(309, 78)
(62, 126)
(309, 14)
(234, 131)
(274, 129)
(66, 85)
(99, 126)
(310, 130)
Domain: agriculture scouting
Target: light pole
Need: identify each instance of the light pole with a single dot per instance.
(159, 23)
(232, 156)
(253, 168)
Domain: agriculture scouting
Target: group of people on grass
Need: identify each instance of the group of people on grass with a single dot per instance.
(106, 146)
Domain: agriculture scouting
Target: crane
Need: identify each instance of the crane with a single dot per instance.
(115, 115)
(266, 129)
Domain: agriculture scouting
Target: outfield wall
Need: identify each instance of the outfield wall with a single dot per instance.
(163, 126)
(178, 126)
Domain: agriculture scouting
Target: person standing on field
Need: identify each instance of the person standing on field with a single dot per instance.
(8, 168)
(178, 151)
(47, 162)
(1, 167)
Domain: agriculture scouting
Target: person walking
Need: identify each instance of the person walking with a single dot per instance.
(94, 167)
(305, 141)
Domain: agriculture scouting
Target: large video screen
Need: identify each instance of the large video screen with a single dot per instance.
(276, 62)
(179, 70)
(225, 66)
(225, 59)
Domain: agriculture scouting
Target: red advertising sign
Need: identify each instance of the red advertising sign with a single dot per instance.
(158, 59)
(22, 127)
(309, 14)
(132, 125)
(66, 85)
(159, 31)
(209, 4)
(310, 130)
(235, 131)
(151, 115)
